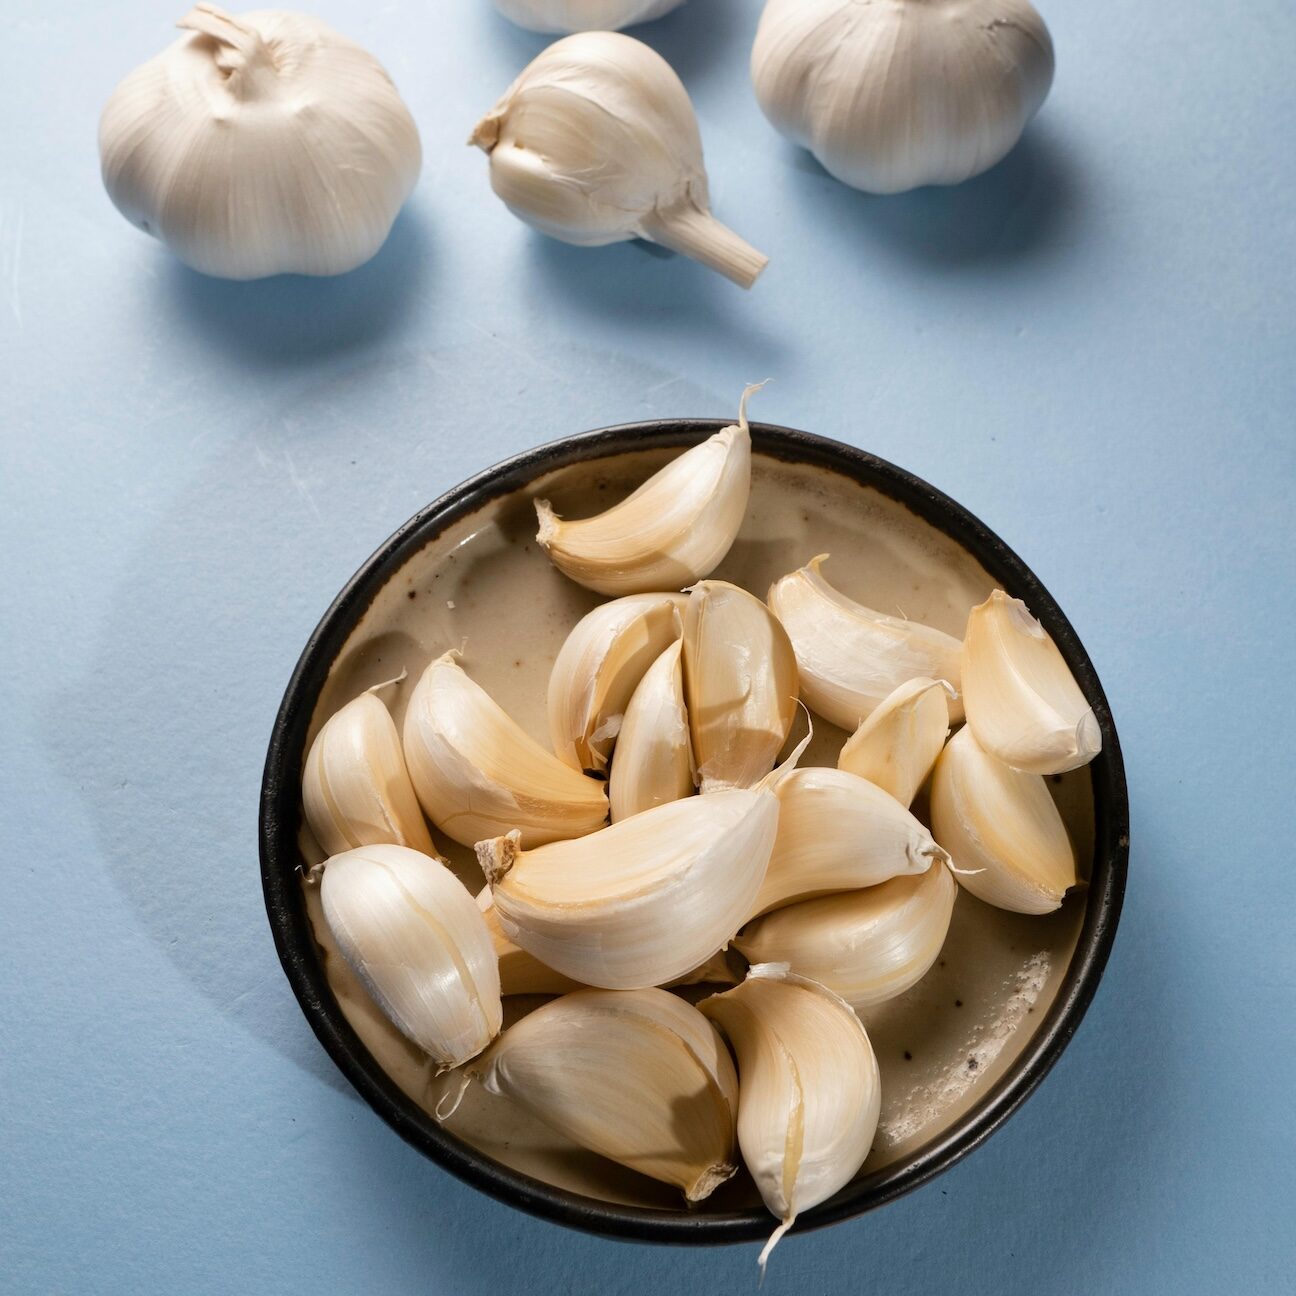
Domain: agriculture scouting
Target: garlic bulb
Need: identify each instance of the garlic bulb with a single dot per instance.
(260, 144)
(896, 747)
(836, 832)
(867, 946)
(477, 773)
(519, 972)
(1023, 703)
(851, 658)
(672, 531)
(810, 1093)
(899, 93)
(559, 16)
(1008, 842)
(415, 937)
(596, 143)
(740, 685)
(638, 1076)
(654, 759)
(644, 901)
(597, 669)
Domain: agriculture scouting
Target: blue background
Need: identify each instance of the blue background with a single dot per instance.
(1091, 347)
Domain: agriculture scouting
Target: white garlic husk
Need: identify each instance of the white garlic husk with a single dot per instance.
(415, 937)
(598, 669)
(837, 832)
(740, 685)
(478, 773)
(867, 946)
(562, 16)
(260, 144)
(653, 764)
(638, 1076)
(596, 143)
(519, 972)
(896, 747)
(673, 530)
(809, 1089)
(1002, 828)
(894, 94)
(1022, 701)
(851, 658)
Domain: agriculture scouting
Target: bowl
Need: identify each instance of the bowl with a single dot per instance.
(958, 1053)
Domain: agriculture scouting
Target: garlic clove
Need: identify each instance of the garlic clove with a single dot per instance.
(596, 143)
(867, 946)
(519, 972)
(851, 658)
(810, 1093)
(672, 531)
(477, 773)
(896, 747)
(654, 759)
(1009, 845)
(837, 832)
(562, 16)
(640, 903)
(598, 668)
(740, 685)
(638, 1076)
(1023, 703)
(260, 144)
(416, 939)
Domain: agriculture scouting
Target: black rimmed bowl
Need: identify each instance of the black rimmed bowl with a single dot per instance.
(958, 1053)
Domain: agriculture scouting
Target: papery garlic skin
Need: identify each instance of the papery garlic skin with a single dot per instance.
(849, 657)
(597, 670)
(896, 747)
(837, 832)
(810, 1093)
(416, 939)
(638, 1076)
(673, 530)
(653, 764)
(519, 972)
(596, 143)
(867, 946)
(894, 94)
(740, 685)
(562, 16)
(478, 773)
(260, 144)
(1023, 703)
(1002, 828)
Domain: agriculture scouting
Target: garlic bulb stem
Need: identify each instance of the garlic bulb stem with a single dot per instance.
(694, 232)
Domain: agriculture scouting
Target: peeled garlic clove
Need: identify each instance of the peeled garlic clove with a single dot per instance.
(598, 668)
(355, 788)
(836, 832)
(1008, 842)
(867, 946)
(638, 1076)
(642, 902)
(740, 685)
(478, 774)
(892, 96)
(896, 747)
(260, 144)
(851, 658)
(1023, 703)
(654, 761)
(560, 16)
(418, 942)
(519, 972)
(810, 1093)
(670, 532)
(596, 142)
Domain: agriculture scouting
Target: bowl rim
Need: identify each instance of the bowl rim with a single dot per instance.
(280, 817)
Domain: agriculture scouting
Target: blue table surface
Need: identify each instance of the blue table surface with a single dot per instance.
(1091, 347)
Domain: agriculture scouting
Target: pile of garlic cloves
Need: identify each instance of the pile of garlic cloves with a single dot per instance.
(668, 837)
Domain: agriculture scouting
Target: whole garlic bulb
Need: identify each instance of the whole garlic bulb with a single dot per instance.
(893, 94)
(260, 145)
(596, 143)
(560, 16)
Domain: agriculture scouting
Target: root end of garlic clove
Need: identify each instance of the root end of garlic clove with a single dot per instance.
(497, 856)
(709, 1180)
